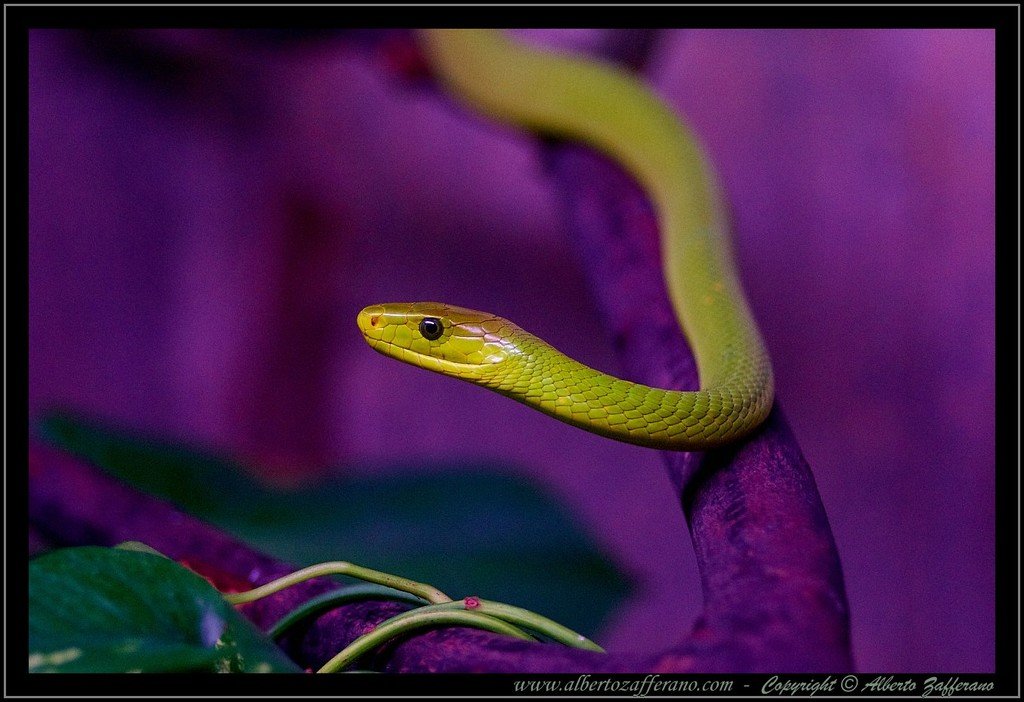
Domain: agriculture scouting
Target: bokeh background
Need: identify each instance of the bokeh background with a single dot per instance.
(210, 209)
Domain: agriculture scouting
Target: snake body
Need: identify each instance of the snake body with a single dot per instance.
(608, 109)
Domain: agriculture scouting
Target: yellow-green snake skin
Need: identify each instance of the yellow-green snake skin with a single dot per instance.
(608, 109)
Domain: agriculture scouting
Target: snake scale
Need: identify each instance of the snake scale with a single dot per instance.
(610, 110)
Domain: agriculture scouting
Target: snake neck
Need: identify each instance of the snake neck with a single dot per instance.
(538, 375)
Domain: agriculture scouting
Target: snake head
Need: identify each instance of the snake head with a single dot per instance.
(438, 337)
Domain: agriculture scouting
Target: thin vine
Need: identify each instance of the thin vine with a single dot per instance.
(432, 608)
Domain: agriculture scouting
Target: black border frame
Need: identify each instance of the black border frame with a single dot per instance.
(18, 19)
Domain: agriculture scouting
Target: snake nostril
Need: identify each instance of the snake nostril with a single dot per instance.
(374, 319)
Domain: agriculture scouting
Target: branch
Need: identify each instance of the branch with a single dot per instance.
(773, 586)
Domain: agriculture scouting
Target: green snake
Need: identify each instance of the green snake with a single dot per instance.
(611, 111)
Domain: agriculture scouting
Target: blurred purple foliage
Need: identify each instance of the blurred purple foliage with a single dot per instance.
(209, 210)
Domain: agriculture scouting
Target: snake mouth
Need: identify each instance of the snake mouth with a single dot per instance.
(420, 360)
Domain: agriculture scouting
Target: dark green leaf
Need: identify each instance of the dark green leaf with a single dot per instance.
(469, 529)
(112, 610)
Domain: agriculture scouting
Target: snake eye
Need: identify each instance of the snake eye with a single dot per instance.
(431, 328)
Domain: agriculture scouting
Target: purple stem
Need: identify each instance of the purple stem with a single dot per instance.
(773, 587)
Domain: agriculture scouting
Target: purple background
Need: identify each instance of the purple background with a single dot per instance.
(209, 210)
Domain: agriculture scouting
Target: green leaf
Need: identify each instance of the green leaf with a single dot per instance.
(468, 529)
(108, 610)
(138, 546)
